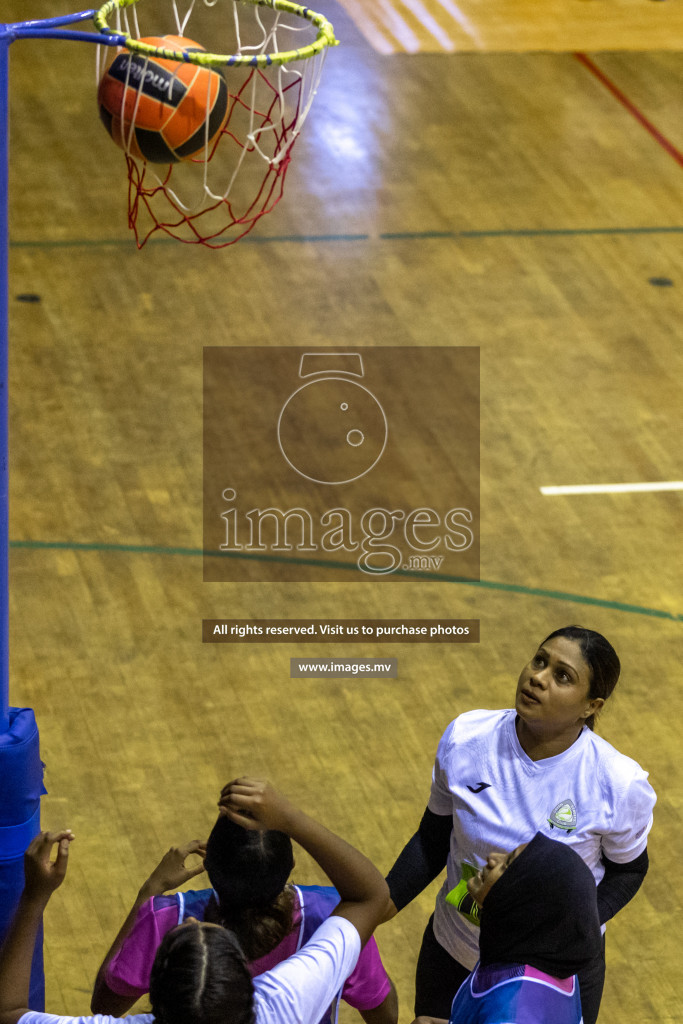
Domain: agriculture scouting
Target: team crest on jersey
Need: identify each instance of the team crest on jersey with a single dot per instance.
(563, 816)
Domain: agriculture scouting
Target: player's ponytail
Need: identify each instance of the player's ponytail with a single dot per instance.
(258, 929)
(248, 871)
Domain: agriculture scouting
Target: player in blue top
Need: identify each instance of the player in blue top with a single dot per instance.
(539, 926)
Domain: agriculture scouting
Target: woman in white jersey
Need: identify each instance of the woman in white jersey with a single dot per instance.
(500, 777)
(199, 974)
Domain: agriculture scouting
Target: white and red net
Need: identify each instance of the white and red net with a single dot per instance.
(272, 66)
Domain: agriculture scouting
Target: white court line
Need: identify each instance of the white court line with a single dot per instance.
(667, 485)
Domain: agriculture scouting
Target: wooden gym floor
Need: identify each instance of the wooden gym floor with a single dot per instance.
(492, 181)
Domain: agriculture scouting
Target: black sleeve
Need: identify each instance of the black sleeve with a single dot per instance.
(620, 884)
(421, 859)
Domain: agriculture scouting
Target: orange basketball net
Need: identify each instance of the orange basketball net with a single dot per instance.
(272, 72)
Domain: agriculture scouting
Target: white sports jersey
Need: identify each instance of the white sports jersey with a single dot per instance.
(591, 797)
(298, 990)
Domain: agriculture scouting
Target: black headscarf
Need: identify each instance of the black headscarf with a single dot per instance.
(247, 868)
(542, 911)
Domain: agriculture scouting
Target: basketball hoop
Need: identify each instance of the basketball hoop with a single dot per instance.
(272, 72)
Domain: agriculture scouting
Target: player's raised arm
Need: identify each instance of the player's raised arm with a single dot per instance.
(42, 877)
(170, 873)
(254, 804)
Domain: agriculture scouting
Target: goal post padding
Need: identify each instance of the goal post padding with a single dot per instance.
(21, 787)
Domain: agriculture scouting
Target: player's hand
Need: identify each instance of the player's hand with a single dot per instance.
(42, 874)
(255, 804)
(172, 871)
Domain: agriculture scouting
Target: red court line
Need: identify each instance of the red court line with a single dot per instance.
(631, 107)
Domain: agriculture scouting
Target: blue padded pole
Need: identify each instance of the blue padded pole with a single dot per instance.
(5, 39)
(21, 770)
(21, 787)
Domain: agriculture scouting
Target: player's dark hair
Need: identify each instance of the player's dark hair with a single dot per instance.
(600, 657)
(258, 929)
(199, 976)
(248, 871)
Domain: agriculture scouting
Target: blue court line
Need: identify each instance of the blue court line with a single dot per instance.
(511, 588)
(385, 236)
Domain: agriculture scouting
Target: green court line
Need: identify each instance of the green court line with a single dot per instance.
(512, 588)
(260, 239)
(129, 242)
(385, 236)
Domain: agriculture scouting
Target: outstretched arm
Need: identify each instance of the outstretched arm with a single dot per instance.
(170, 873)
(42, 877)
(254, 804)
